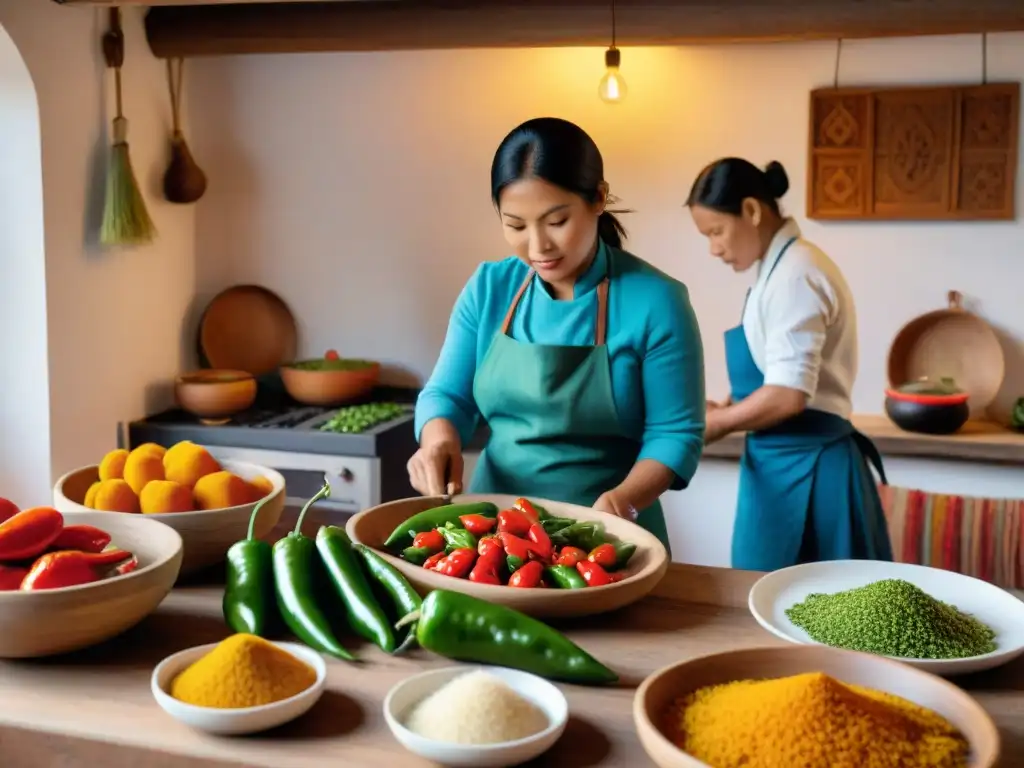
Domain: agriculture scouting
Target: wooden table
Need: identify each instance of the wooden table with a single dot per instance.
(95, 708)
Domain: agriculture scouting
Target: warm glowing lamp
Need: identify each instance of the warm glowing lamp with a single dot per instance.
(612, 88)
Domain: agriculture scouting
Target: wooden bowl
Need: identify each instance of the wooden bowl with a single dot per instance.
(216, 394)
(206, 534)
(645, 569)
(657, 693)
(247, 328)
(61, 620)
(327, 387)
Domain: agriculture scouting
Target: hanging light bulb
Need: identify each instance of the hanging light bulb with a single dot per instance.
(612, 88)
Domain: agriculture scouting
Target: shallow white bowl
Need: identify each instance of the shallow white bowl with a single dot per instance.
(774, 593)
(403, 697)
(234, 722)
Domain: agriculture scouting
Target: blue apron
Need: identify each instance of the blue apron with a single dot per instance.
(806, 493)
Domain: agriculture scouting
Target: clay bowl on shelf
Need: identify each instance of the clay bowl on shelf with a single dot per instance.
(643, 572)
(931, 408)
(657, 693)
(206, 534)
(328, 382)
(56, 621)
(215, 395)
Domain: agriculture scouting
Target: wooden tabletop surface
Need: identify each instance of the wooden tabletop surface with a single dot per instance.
(95, 708)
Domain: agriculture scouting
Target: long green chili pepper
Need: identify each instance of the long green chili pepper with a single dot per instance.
(248, 603)
(364, 613)
(404, 598)
(565, 577)
(465, 628)
(416, 555)
(295, 564)
(437, 517)
(623, 552)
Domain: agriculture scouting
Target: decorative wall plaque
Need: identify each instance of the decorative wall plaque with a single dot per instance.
(914, 153)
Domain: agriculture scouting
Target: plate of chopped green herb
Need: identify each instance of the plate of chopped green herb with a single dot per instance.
(933, 619)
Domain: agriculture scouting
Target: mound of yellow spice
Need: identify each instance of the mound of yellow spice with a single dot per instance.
(242, 671)
(812, 721)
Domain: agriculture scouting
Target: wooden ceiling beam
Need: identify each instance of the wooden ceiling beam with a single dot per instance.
(380, 25)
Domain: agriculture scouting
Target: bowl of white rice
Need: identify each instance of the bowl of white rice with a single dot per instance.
(476, 717)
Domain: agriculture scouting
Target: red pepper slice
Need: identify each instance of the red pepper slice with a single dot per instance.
(513, 521)
(69, 568)
(29, 533)
(458, 563)
(604, 555)
(8, 509)
(432, 540)
(478, 525)
(570, 556)
(529, 576)
(541, 546)
(488, 567)
(489, 544)
(524, 506)
(84, 538)
(11, 577)
(127, 567)
(593, 574)
(431, 562)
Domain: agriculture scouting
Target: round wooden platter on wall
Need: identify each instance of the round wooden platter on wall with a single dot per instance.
(248, 328)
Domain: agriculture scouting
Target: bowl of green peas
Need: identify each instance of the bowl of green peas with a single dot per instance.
(329, 380)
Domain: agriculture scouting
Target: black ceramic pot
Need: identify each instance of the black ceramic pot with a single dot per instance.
(930, 409)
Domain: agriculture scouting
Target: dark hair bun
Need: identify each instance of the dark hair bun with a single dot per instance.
(778, 180)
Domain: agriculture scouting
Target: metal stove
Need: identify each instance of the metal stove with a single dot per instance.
(364, 469)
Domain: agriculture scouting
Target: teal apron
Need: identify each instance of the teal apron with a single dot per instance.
(555, 431)
(806, 493)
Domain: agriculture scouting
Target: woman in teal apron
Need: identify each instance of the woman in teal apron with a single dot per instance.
(806, 493)
(584, 361)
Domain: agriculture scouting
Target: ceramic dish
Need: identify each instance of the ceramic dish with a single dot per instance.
(235, 722)
(403, 697)
(1004, 613)
(656, 694)
(643, 572)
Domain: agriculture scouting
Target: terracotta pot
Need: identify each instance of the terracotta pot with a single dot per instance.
(216, 393)
(932, 408)
(329, 387)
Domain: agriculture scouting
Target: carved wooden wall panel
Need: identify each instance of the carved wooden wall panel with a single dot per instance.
(913, 153)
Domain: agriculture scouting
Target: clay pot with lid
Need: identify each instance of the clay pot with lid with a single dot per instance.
(928, 407)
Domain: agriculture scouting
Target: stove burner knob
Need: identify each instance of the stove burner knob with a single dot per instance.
(346, 475)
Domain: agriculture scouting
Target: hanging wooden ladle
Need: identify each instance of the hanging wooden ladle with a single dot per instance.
(184, 180)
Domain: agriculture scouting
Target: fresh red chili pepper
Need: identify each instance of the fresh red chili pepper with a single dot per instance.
(593, 574)
(127, 567)
(478, 525)
(488, 567)
(515, 546)
(11, 577)
(84, 538)
(489, 544)
(513, 521)
(617, 576)
(69, 568)
(540, 544)
(8, 509)
(604, 555)
(458, 563)
(431, 562)
(570, 556)
(432, 540)
(524, 506)
(29, 533)
(529, 576)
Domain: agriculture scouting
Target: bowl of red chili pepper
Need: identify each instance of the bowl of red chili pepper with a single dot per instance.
(543, 558)
(74, 579)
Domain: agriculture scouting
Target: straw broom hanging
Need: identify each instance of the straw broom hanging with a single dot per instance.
(125, 218)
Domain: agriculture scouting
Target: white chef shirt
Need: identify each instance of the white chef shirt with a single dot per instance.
(801, 323)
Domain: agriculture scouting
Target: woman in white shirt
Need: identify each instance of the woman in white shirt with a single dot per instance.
(806, 492)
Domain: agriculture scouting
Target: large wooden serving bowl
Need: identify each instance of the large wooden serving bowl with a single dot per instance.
(656, 694)
(208, 534)
(55, 621)
(644, 571)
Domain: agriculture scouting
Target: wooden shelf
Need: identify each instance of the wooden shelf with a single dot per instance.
(182, 28)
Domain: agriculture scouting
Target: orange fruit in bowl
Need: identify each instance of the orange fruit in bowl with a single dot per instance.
(187, 463)
(223, 489)
(112, 465)
(156, 450)
(164, 496)
(90, 495)
(142, 467)
(116, 496)
(261, 486)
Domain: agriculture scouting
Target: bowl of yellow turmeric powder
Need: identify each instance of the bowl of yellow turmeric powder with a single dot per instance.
(243, 684)
(809, 706)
